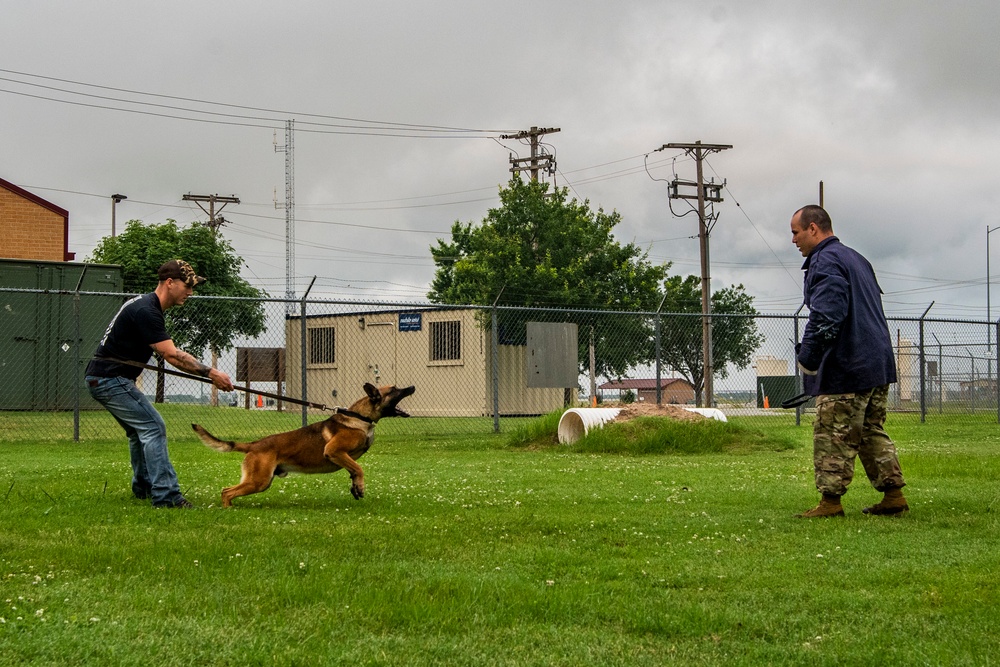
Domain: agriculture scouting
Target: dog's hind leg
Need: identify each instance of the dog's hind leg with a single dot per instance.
(258, 473)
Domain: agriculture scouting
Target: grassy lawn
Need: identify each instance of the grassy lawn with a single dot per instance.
(470, 550)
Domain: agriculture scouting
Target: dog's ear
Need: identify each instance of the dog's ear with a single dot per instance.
(373, 393)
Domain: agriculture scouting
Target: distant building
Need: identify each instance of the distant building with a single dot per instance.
(672, 390)
(33, 228)
(443, 352)
(770, 366)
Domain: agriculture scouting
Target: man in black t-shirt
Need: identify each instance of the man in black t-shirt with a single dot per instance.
(135, 332)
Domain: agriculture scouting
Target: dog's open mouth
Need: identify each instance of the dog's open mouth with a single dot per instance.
(393, 409)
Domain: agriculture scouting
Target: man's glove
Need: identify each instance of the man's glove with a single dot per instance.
(805, 371)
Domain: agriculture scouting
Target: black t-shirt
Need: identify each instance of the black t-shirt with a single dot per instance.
(138, 325)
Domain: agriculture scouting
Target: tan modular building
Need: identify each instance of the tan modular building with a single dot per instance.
(444, 353)
(770, 366)
(33, 228)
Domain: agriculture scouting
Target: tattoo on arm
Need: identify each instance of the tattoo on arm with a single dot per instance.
(192, 365)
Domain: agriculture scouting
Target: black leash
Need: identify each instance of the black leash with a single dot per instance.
(317, 406)
(795, 401)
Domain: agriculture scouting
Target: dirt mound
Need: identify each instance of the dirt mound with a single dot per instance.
(633, 410)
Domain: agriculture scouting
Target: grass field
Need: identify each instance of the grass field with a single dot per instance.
(471, 550)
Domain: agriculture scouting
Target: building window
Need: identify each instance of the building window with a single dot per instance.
(322, 348)
(446, 341)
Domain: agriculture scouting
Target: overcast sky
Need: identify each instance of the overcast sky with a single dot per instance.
(893, 105)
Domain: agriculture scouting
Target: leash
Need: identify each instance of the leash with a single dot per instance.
(795, 401)
(198, 378)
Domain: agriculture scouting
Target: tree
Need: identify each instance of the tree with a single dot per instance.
(734, 339)
(198, 324)
(540, 249)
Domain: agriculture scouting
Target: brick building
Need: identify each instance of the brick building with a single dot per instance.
(672, 390)
(31, 227)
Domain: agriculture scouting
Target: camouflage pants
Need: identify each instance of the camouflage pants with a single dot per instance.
(850, 426)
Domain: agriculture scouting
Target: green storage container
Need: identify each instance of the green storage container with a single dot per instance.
(47, 338)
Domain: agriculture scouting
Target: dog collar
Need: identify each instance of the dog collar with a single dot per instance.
(348, 413)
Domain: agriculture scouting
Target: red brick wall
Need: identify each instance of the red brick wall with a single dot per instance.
(30, 231)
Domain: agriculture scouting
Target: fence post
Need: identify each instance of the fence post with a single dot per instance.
(495, 369)
(923, 365)
(302, 316)
(659, 352)
(998, 370)
(77, 336)
(798, 380)
(972, 382)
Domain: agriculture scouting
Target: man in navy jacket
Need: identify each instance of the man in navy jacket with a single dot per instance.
(847, 360)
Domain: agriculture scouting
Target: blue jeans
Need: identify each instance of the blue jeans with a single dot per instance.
(153, 474)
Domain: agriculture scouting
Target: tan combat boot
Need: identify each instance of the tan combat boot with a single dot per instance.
(828, 506)
(892, 504)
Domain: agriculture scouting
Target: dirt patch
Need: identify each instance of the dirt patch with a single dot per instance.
(676, 412)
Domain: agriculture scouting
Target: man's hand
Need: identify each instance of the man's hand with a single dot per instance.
(220, 379)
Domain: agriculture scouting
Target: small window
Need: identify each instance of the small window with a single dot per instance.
(322, 348)
(446, 341)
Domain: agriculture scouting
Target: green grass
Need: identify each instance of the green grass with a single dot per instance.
(469, 551)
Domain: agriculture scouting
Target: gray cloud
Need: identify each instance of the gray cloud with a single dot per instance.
(891, 104)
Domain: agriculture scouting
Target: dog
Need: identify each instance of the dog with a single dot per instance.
(326, 446)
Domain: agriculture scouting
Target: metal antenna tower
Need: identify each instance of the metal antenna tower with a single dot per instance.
(289, 150)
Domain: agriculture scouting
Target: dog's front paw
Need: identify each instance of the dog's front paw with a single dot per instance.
(358, 490)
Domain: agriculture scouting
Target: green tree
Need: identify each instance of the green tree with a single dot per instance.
(734, 338)
(200, 324)
(540, 249)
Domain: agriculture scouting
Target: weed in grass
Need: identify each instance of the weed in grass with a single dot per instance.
(536, 432)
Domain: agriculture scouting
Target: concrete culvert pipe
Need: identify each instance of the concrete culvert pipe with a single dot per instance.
(577, 422)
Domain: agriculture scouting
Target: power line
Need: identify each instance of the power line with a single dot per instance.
(282, 114)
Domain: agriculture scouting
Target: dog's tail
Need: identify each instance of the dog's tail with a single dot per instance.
(213, 442)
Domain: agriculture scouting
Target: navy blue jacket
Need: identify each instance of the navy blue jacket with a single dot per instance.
(846, 338)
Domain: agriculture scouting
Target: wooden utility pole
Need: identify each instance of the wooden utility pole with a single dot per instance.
(711, 192)
(213, 222)
(537, 161)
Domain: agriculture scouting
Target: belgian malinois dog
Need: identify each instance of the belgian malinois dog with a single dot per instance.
(326, 446)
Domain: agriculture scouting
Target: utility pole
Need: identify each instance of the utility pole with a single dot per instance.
(289, 150)
(537, 161)
(213, 222)
(710, 192)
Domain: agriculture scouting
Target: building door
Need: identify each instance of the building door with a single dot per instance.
(380, 343)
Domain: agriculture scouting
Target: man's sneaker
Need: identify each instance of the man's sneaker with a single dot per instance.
(183, 504)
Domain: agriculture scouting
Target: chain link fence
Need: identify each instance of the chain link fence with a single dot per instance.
(476, 369)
